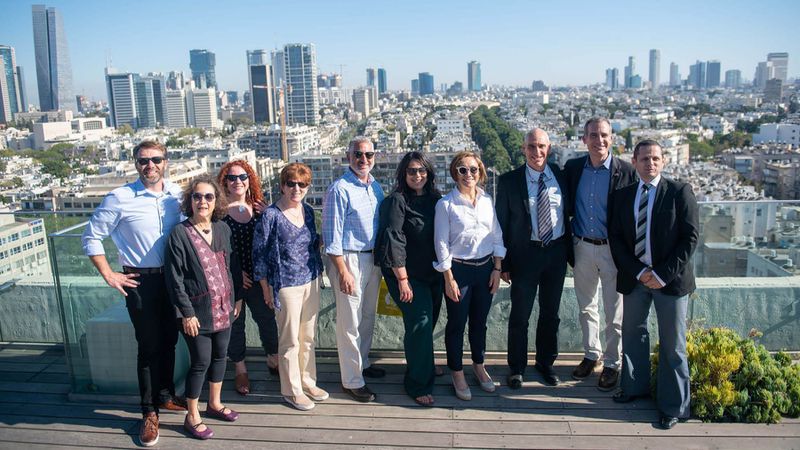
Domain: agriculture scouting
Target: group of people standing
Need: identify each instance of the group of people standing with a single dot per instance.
(619, 224)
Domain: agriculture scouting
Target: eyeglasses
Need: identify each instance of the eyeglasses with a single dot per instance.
(463, 170)
(359, 154)
(240, 177)
(291, 184)
(411, 171)
(197, 196)
(145, 161)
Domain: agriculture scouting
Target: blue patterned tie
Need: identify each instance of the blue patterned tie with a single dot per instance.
(543, 213)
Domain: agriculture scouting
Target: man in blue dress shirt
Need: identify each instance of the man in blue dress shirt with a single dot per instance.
(349, 227)
(139, 217)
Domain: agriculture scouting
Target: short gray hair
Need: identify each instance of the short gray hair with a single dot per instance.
(532, 133)
(358, 140)
(596, 119)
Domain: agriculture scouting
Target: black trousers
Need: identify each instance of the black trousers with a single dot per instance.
(543, 270)
(265, 320)
(476, 301)
(155, 323)
(208, 356)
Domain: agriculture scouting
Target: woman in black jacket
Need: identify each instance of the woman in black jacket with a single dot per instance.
(198, 274)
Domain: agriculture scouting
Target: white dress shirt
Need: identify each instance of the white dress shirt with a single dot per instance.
(466, 231)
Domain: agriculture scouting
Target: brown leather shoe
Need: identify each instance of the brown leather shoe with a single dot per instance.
(148, 432)
(174, 404)
(608, 379)
(584, 369)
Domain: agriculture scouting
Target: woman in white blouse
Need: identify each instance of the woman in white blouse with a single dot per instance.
(469, 249)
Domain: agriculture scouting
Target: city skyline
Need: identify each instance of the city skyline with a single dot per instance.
(439, 39)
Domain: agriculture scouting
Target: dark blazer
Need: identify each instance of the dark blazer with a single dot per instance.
(622, 174)
(514, 215)
(186, 281)
(674, 232)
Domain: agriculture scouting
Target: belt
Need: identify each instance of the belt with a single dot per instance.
(473, 262)
(359, 251)
(143, 270)
(594, 241)
(552, 242)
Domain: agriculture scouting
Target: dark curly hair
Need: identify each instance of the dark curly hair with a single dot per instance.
(254, 193)
(220, 204)
(400, 176)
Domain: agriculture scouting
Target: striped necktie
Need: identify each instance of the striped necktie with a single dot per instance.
(641, 221)
(543, 213)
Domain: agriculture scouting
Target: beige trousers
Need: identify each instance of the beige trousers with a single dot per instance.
(297, 323)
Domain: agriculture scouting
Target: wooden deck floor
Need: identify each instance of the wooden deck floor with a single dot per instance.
(35, 412)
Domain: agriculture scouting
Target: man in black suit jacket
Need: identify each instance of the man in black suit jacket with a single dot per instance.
(537, 254)
(592, 180)
(654, 234)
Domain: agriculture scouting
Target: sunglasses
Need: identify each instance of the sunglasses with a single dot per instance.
(146, 161)
(359, 154)
(411, 171)
(291, 184)
(463, 170)
(240, 177)
(196, 196)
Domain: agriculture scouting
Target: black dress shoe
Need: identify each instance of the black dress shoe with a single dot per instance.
(514, 381)
(548, 374)
(667, 422)
(373, 372)
(622, 397)
(362, 394)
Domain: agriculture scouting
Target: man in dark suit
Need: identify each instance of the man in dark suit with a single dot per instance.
(592, 179)
(531, 205)
(654, 234)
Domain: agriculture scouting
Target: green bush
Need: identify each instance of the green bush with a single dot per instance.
(735, 379)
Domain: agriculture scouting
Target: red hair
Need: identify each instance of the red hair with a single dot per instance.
(254, 193)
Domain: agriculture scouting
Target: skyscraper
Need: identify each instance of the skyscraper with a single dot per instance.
(121, 98)
(262, 89)
(655, 68)
(765, 70)
(372, 76)
(425, 83)
(135, 100)
(10, 97)
(612, 78)
(473, 76)
(697, 75)
(674, 75)
(733, 79)
(381, 81)
(780, 62)
(415, 86)
(302, 100)
(257, 57)
(21, 86)
(53, 67)
(630, 71)
(713, 74)
(203, 63)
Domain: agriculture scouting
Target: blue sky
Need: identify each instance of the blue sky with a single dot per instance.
(562, 43)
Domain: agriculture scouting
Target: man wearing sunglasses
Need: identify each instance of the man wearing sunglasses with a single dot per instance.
(349, 227)
(531, 205)
(138, 217)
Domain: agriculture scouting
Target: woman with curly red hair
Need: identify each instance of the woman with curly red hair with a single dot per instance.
(242, 190)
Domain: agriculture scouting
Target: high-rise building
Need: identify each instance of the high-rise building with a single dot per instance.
(733, 79)
(135, 100)
(636, 82)
(713, 74)
(302, 100)
(203, 65)
(322, 81)
(201, 108)
(362, 100)
(53, 67)
(121, 98)
(176, 116)
(674, 75)
(697, 75)
(10, 97)
(175, 80)
(780, 62)
(630, 71)
(612, 78)
(257, 57)
(425, 83)
(474, 76)
(773, 91)
(415, 86)
(655, 68)
(372, 76)
(382, 86)
(765, 70)
(83, 103)
(262, 90)
(21, 86)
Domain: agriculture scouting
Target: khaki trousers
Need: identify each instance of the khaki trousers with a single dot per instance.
(297, 322)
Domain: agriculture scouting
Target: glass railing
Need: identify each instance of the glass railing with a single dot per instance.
(746, 266)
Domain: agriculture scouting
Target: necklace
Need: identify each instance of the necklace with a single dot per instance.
(204, 230)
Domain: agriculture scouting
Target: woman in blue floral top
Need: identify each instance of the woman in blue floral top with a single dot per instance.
(288, 265)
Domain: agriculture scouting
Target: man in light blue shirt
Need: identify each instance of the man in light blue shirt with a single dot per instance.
(349, 227)
(139, 217)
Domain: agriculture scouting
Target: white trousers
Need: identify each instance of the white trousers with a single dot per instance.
(355, 316)
(297, 323)
(593, 264)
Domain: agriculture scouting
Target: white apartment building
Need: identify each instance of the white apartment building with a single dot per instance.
(23, 248)
(781, 133)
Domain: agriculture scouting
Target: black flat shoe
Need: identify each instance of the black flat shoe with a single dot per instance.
(548, 374)
(373, 372)
(667, 422)
(514, 381)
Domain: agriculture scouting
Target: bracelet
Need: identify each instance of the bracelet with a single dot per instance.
(495, 268)
(402, 279)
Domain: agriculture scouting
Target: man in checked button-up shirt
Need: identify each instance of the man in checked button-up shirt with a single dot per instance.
(349, 227)
(138, 217)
